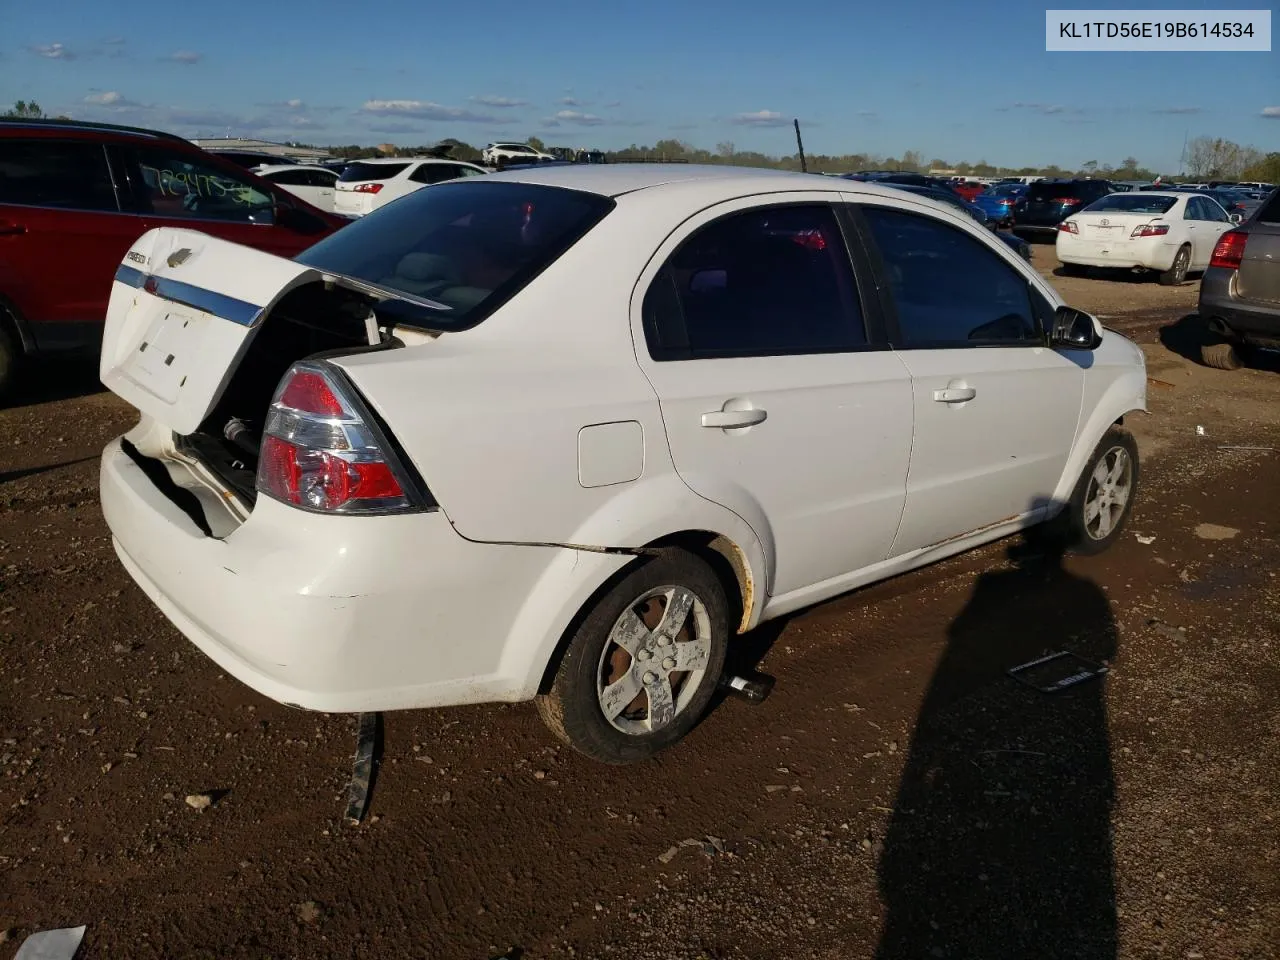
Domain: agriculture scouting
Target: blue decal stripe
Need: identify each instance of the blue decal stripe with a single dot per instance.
(189, 295)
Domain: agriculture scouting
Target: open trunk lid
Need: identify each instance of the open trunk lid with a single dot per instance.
(184, 308)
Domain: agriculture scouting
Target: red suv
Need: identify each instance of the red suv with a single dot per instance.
(73, 198)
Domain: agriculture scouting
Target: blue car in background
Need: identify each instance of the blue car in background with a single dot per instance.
(997, 202)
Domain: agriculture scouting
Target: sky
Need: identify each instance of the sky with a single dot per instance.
(957, 82)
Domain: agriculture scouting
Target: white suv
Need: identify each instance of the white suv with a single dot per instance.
(366, 185)
(496, 153)
(562, 433)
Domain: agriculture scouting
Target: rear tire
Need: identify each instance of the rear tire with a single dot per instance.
(1177, 272)
(1221, 356)
(617, 696)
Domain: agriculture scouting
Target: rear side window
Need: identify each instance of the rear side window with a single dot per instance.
(760, 283)
(1132, 203)
(949, 289)
(435, 173)
(1270, 212)
(63, 174)
(363, 172)
(469, 245)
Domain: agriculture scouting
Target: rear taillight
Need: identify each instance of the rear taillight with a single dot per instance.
(1149, 230)
(1066, 201)
(368, 187)
(1229, 250)
(1068, 226)
(322, 450)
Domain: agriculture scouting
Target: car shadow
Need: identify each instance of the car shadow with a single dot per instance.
(999, 844)
(49, 379)
(8, 475)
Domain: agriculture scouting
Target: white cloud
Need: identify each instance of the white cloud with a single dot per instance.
(1271, 111)
(294, 104)
(580, 119)
(574, 102)
(489, 100)
(109, 98)
(54, 51)
(185, 56)
(761, 118)
(424, 110)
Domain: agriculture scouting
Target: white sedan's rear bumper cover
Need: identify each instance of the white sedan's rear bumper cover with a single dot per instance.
(350, 614)
(1151, 253)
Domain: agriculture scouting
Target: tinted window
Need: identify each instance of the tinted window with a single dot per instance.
(950, 289)
(758, 283)
(321, 178)
(70, 175)
(1078, 190)
(470, 245)
(176, 185)
(1270, 212)
(1213, 209)
(360, 172)
(434, 173)
(292, 178)
(1132, 203)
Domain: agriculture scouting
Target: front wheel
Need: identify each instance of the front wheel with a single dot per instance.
(640, 669)
(1103, 497)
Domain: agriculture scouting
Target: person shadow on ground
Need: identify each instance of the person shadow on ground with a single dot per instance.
(999, 844)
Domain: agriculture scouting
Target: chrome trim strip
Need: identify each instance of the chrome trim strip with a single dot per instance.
(175, 291)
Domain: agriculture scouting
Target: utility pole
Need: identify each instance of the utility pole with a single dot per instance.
(804, 167)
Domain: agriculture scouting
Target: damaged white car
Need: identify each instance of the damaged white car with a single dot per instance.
(562, 433)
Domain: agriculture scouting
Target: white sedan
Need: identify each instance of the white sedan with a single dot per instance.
(562, 433)
(314, 184)
(1170, 232)
(366, 185)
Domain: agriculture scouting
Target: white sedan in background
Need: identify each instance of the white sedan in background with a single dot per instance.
(1170, 232)
(312, 183)
(563, 433)
(366, 185)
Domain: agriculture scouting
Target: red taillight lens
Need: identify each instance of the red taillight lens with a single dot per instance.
(1149, 230)
(1229, 250)
(322, 452)
(368, 188)
(811, 240)
(1068, 226)
(1067, 201)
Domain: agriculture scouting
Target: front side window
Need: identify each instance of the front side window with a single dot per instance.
(949, 289)
(434, 173)
(763, 282)
(61, 174)
(469, 244)
(170, 184)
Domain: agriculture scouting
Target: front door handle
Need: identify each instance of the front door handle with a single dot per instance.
(729, 419)
(955, 394)
(11, 229)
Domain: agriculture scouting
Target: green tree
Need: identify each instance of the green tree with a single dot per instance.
(1266, 170)
(537, 144)
(26, 109)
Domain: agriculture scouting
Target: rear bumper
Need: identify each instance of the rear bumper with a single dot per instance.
(350, 614)
(1254, 322)
(1147, 254)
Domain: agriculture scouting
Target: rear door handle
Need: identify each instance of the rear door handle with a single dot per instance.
(729, 419)
(11, 229)
(954, 394)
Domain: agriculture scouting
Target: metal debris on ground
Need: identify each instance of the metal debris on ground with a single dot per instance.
(1145, 541)
(51, 944)
(1199, 431)
(1057, 672)
(362, 770)
(753, 689)
(1235, 447)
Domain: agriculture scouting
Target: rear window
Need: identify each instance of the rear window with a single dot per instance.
(1132, 203)
(66, 174)
(1048, 191)
(469, 244)
(360, 172)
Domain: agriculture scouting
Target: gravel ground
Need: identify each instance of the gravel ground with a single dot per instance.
(898, 796)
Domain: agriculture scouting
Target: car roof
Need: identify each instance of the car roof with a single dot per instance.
(54, 127)
(386, 160)
(280, 167)
(615, 179)
(1161, 193)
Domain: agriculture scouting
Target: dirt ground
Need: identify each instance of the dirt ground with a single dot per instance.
(898, 796)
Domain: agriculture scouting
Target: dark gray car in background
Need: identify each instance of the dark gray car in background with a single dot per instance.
(1240, 291)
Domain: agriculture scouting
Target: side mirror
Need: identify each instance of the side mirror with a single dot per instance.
(1074, 330)
(1236, 218)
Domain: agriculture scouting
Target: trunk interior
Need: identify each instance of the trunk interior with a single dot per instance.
(314, 319)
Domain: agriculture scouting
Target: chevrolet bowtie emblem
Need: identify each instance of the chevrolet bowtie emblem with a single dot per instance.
(179, 257)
